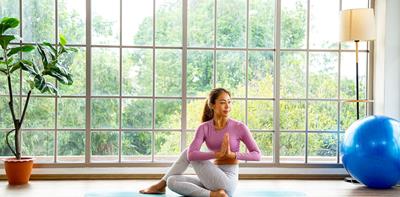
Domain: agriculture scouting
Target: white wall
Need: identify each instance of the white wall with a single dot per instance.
(387, 59)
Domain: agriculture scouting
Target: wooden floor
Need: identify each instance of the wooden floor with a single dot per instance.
(324, 188)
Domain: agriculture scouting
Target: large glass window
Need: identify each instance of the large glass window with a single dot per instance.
(144, 68)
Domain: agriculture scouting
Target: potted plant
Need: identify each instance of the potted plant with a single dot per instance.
(18, 169)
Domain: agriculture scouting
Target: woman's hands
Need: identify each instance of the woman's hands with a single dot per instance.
(225, 152)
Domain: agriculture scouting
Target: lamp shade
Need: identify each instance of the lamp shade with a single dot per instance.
(357, 24)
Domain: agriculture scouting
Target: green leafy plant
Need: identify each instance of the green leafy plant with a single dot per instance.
(40, 75)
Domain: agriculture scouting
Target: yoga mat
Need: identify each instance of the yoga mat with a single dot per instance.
(238, 193)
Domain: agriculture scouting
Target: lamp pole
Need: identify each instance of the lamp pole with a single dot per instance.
(357, 88)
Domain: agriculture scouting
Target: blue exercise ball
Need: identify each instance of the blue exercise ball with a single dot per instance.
(371, 151)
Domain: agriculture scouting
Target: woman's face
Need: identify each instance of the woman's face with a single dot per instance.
(222, 105)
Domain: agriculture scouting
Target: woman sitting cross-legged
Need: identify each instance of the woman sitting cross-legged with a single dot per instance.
(222, 136)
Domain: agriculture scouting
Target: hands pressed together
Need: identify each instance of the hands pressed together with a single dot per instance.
(225, 152)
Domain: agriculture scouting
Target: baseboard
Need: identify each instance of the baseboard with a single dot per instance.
(156, 173)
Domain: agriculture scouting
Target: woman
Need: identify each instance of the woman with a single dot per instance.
(222, 136)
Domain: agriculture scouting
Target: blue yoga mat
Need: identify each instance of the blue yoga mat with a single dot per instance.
(239, 193)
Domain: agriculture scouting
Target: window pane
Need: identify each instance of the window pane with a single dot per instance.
(78, 70)
(292, 148)
(137, 113)
(231, 71)
(38, 25)
(137, 72)
(40, 113)
(293, 115)
(169, 22)
(324, 23)
(194, 112)
(322, 116)
(260, 115)
(261, 74)
(137, 22)
(105, 71)
(322, 148)
(348, 114)
(104, 113)
(199, 72)
(9, 8)
(323, 75)
(169, 72)
(71, 146)
(264, 142)
(168, 113)
(72, 20)
(341, 139)
(5, 152)
(201, 23)
(104, 146)
(293, 75)
(105, 22)
(71, 113)
(38, 144)
(5, 113)
(136, 146)
(261, 23)
(167, 147)
(348, 75)
(238, 110)
(14, 81)
(294, 24)
(231, 25)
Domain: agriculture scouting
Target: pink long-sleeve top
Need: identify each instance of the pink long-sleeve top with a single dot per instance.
(237, 132)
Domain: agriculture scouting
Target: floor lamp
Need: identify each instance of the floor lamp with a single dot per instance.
(357, 25)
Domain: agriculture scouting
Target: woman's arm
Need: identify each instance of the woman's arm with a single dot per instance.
(194, 153)
(254, 153)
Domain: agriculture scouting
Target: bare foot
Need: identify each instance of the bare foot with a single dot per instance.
(158, 188)
(218, 193)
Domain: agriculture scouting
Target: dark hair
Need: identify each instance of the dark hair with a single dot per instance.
(208, 113)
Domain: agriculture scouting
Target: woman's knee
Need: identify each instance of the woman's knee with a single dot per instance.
(171, 181)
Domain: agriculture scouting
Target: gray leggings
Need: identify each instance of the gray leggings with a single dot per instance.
(210, 177)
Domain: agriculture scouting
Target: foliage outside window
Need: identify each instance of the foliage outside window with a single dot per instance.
(132, 105)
